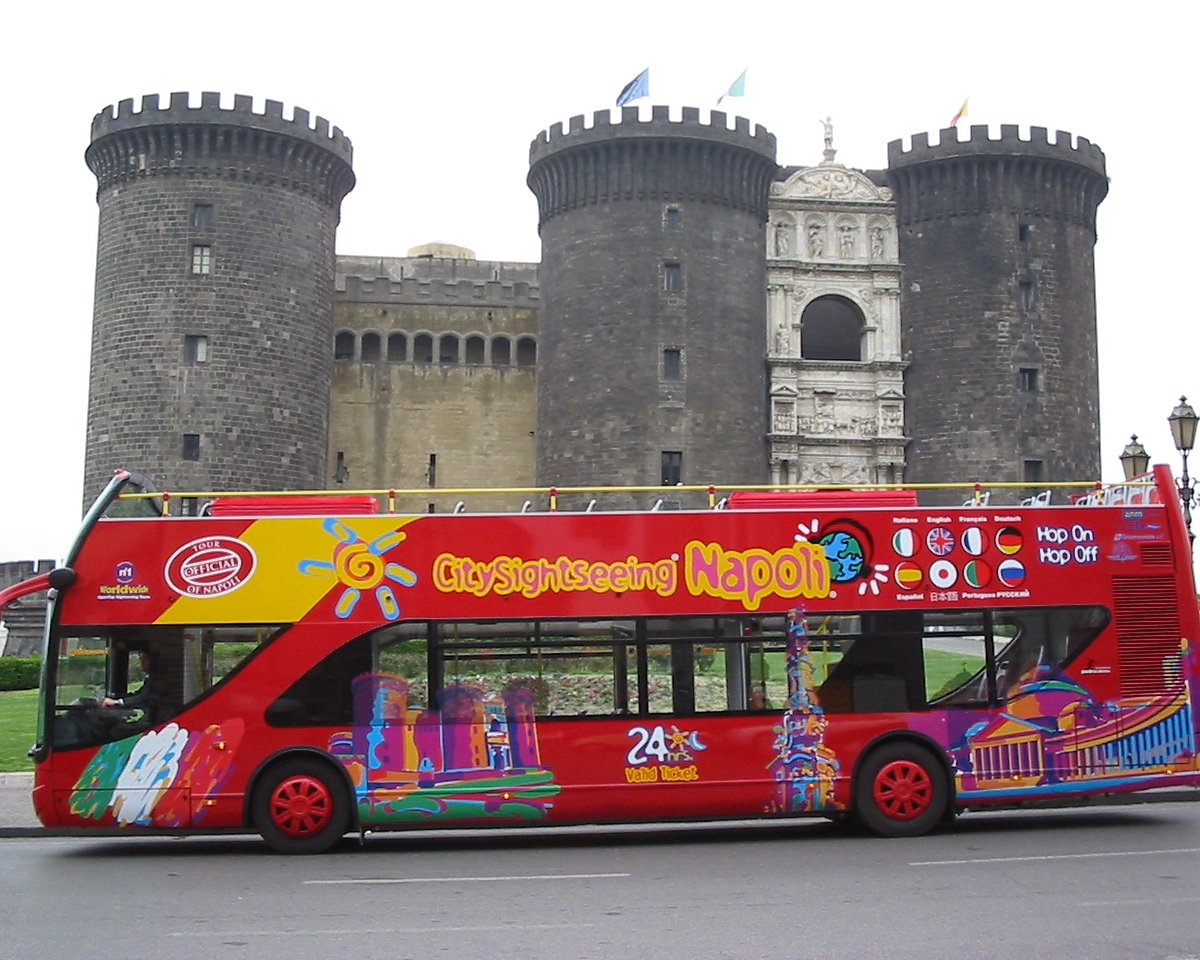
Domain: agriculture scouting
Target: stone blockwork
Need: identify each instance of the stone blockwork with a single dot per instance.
(998, 304)
(653, 283)
(214, 289)
(434, 384)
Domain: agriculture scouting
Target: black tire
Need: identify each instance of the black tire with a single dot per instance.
(300, 806)
(901, 791)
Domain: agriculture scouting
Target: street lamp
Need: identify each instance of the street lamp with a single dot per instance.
(1183, 421)
(1135, 461)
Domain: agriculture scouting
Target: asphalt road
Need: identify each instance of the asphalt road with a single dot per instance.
(1094, 884)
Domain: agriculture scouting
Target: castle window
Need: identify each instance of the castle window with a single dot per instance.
(202, 259)
(831, 329)
(1033, 471)
(423, 348)
(672, 218)
(526, 352)
(672, 277)
(448, 349)
(501, 352)
(475, 350)
(189, 506)
(191, 446)
(370, 348)
(672, 468)
(202, 216)
(1025, 292)
(195, 349)
(1028, 380)
(343, 346)
(397, 347)
(672, 367)
(1023, 232)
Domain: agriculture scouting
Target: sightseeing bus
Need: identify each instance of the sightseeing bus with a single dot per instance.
(325, 664)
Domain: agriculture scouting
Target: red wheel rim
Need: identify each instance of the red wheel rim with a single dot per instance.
(301, 806)
(903, 790)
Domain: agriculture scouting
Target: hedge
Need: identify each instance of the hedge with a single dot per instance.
(19, 673)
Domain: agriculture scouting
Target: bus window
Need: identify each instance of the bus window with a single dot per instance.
(324, 694)
(1041, 639)
(575, 669)
(954, 647)
(187, 663)
(1023, 643)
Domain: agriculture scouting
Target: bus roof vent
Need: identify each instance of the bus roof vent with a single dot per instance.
(1147, 620)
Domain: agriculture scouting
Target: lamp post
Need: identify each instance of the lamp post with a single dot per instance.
(1135, 461)
(1183, 421)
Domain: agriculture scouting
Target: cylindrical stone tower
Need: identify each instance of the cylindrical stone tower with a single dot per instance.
(211, 340)
(998, 306)
(652, 355)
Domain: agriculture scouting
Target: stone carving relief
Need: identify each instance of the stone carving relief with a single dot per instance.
(831, 182)
(877, 243)
(816, 239)
(820, 472)
(783, 238)
(847, 232)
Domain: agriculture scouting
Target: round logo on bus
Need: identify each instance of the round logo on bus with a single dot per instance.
(210, 567)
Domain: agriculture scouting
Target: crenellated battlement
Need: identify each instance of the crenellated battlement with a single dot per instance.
(659, 124)
(420, 290)
(651, 160)
(1009, 144)
(242, 114)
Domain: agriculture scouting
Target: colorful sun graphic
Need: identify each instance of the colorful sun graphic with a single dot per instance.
(848, 552)
(361, 568)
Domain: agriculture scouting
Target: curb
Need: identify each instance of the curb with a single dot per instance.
(1163, 795)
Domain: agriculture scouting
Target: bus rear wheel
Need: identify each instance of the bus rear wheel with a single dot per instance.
(300, 807)
(901, 791)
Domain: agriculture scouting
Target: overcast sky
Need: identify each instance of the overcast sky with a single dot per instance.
(441, 102)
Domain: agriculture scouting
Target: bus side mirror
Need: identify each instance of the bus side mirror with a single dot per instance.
(61, 578)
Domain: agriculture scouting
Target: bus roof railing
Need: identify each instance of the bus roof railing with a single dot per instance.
(1009, 494)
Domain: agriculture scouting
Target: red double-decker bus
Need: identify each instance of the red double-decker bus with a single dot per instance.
(308, 666)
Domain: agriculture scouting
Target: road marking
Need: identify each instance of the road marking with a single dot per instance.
(1157, 901)
(358, 931)
(545, 876)
(1056, 856)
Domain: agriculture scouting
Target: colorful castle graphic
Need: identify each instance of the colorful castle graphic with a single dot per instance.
(474, 758)
(1052, 736)
(804, 767)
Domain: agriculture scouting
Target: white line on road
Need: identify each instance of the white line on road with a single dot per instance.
(1156, 902)
(546, 876)
(1056, 856)
(360, 931)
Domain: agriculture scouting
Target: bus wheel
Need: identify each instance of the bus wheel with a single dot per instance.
(901, 791)
(299, 807)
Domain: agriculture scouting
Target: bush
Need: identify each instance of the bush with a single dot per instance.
(19, 673)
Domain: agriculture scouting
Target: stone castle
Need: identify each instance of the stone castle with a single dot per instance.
(701, 313)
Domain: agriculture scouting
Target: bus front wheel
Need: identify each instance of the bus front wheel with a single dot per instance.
(901, 791)
(300, 807)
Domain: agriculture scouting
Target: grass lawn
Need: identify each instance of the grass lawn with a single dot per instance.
(18, 729)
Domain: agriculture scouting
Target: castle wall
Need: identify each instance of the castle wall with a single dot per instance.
(998, 305)
(214, 285)
(622, 207)
(470, 405)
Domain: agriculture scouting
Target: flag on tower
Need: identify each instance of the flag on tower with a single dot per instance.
(635, 89)
(736, 89)
(962, 112)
